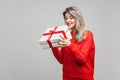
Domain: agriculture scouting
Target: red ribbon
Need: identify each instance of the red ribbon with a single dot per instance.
(53, 32)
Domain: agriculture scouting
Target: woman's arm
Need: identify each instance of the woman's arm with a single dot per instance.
(58, 53)
(81, 53)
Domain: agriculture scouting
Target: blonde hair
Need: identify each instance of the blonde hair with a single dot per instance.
(80, 30)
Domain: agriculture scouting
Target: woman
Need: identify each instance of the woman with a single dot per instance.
(77, 54)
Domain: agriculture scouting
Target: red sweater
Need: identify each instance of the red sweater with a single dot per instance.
(78, 58)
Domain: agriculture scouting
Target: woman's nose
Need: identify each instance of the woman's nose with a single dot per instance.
(68, 20)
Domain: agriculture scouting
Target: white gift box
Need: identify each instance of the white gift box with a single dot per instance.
(51, 36)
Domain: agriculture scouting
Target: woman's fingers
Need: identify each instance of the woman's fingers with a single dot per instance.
(62, 37)
(64, 42)
(61, 41)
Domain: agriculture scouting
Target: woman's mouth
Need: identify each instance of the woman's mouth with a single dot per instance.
(69, 24)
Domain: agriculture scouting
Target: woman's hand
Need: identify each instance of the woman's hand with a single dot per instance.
(64, 42)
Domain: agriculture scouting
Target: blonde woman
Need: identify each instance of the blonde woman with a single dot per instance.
(76, 55)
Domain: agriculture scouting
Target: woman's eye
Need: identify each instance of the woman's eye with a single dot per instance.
(66, 18)
(71, 17)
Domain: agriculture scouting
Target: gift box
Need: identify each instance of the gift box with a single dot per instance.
(51, 36)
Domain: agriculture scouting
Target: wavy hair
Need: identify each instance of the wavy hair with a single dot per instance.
(80, 30)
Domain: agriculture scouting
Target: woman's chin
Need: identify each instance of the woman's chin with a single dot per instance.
(70, 26)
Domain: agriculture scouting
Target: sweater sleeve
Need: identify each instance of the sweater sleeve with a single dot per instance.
(81, 53)
(58, 54)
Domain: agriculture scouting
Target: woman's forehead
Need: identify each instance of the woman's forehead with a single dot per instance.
(68, 14)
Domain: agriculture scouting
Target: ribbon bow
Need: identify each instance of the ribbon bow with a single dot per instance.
(53, 32)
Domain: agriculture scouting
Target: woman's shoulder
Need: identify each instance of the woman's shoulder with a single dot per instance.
(88, 31)
(89, 34)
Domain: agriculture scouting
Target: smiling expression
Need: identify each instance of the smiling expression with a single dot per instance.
(70, 20)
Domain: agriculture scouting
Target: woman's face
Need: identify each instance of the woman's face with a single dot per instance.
(70, 20)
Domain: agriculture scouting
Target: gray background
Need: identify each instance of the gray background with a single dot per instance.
(23, 21)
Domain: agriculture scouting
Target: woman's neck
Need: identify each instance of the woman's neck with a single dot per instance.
(73, 29)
